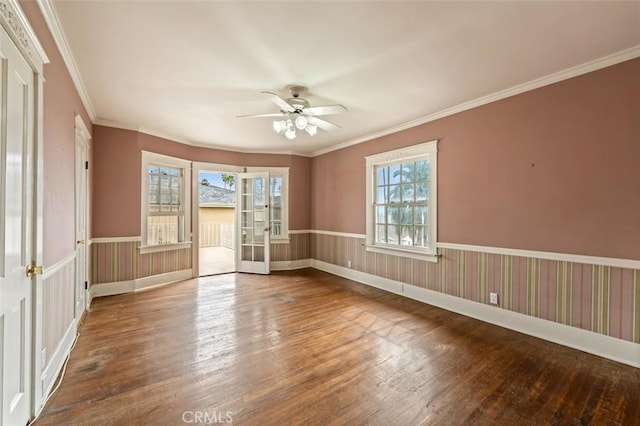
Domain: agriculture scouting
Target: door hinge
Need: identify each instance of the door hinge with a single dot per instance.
(86, 285)
(86, 165)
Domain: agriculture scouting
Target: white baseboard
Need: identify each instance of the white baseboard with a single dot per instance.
(598, 344)
(56, 361)
(162, 279)
(88, 296)
(290, 265)
(113, 288)
(139, 284)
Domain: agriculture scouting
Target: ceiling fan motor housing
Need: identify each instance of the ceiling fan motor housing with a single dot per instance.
(298, 103)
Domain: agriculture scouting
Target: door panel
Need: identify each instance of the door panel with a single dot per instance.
(81, 223)
(16, 222)
(253, 223)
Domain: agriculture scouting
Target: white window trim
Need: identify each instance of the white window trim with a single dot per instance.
(282, 172)
(164, 160)
(392, 157)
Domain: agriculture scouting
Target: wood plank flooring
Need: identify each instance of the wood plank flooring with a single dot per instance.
(306, 347)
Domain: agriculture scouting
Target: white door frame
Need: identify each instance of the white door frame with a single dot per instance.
(37, 397)
(82, 203)
(195, 214)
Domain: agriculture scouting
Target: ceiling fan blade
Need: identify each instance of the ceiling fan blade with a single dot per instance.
(284, 105)
(325, 110)
(273, 114)
(323, 124)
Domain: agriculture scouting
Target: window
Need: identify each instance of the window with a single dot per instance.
(278, 202)
(401, 201)
(165, 206)
(275, 206)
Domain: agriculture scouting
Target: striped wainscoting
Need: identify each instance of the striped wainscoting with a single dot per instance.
(121, 261)
(601, 299)
(58, 305)
(118, 261)
(298, 248)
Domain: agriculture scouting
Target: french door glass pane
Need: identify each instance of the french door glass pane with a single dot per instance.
(258, 253)
(246, 253)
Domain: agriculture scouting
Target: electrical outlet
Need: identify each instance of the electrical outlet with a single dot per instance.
(349, 264)
(493, 298)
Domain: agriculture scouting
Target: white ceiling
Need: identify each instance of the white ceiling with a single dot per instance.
(185, 69)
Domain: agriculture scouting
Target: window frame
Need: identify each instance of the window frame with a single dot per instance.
(282, 172)
(155, 159)
(411, 153)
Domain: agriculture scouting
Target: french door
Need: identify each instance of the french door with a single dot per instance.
(253, 223)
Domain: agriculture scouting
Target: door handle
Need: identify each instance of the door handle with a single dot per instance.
(80, 242)
(266, 229)
(32, 270)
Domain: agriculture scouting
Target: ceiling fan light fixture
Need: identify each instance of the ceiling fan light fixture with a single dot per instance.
(301, 122)
(290, 134)
(279, 126)
(290, 126)
(311, 129)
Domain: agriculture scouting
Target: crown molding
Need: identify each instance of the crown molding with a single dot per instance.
(115, 124)
(587, 67)
(151, 132)
(51, 18)
(219, 147)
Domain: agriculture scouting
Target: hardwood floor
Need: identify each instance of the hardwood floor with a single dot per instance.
(306, 347)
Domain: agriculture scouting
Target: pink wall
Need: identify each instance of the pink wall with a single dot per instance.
(116, 171)
(554, 169)
(116, 183)
(61, 104)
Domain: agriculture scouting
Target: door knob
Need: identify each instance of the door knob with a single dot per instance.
(80, 242)
(32, 270)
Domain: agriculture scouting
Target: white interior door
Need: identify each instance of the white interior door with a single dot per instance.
(253, 223)
(82, 147)
(16, 232)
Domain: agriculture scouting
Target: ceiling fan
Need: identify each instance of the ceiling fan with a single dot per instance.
(298, 114)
